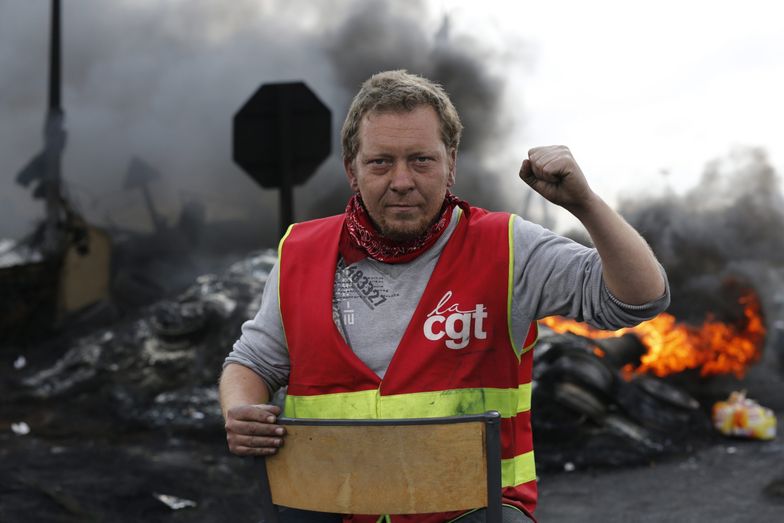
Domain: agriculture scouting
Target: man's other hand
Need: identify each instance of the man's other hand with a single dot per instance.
(552, 172)
(251, 430)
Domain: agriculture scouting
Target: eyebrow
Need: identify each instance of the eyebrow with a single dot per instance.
(416, 152)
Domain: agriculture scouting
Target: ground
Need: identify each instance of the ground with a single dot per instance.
(69, 479)
(129, 441)
(738, 481)
(729, 481)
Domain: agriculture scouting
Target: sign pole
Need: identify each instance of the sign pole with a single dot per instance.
(281, 136)
(54, 139)
(286, 193)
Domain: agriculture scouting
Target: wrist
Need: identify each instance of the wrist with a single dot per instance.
(585, 206)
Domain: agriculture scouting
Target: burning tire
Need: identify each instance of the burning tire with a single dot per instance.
(580, 400)
(667, 393)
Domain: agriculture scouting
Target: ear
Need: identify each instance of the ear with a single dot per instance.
(452, 167)
(351, 174)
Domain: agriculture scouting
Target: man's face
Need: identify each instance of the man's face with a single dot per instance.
(402, 170)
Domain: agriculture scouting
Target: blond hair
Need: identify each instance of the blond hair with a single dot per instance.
(399, 91)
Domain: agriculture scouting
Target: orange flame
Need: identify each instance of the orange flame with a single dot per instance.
(714, 347)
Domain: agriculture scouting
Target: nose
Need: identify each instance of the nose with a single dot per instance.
(402, 180)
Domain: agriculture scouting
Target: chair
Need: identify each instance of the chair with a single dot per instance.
(396, 466)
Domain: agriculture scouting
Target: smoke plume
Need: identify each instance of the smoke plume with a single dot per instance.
(161, 81)
(722, 235)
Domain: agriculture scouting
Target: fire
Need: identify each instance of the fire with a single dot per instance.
(714, 347)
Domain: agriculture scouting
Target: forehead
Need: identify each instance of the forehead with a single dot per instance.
(419, 127)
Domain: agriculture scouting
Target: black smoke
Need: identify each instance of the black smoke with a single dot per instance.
(161, 81)
(379, 36)
(720, 238)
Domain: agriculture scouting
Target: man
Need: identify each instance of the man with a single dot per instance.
(414, 304)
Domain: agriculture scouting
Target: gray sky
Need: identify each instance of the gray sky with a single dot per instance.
(641, 88)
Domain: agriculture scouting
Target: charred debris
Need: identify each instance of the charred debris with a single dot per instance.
(69, 275)
(134, 388)
(123, 422)
(158, 371)
(588, 413)
(155, 370)
(133, 408)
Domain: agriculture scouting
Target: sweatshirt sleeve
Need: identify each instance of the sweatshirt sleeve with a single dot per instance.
(262, 343)
(554, 275)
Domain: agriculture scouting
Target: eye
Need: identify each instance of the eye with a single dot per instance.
(377, 161)
(422, 159)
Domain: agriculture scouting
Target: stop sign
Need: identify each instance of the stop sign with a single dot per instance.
(282, 134)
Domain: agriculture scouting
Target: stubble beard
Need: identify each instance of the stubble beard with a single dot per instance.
(403, 230)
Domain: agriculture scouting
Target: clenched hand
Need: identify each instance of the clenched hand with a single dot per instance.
(553, 172)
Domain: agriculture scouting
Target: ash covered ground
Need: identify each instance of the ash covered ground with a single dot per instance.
(672, 465)
(123, 423)
(723, 479)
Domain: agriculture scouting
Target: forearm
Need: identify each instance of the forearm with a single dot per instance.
(629, 267)
(241, 386)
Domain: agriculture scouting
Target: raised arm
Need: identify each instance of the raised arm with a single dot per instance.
(630, 270)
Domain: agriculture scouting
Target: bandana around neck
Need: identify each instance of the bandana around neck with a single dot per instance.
(360, 239)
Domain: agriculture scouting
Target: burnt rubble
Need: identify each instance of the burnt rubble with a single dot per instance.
(160, 368)
(587, 413)
(124, 422)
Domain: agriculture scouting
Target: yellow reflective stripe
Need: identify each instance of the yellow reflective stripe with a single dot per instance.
(340, 405)
(517, 470)
(510, 286)
(280, 243)
(369, 404)
(524, 398)
(280, 252)
(531, 345)
(508, 402)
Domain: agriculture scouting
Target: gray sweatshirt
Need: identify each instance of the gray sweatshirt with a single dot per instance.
(373, 302)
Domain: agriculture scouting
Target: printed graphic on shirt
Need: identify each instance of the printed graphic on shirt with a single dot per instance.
(348, 314)
(352, 284)
(456, 324)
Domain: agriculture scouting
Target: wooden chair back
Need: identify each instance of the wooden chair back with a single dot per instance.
(403, 466)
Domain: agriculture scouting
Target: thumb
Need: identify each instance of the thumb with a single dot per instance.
(268, 408)
(527, 173)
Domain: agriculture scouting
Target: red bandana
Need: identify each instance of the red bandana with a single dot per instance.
(360, 239)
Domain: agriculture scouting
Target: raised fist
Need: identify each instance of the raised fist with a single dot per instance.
(552, 172)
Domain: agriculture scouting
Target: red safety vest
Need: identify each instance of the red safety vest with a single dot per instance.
(455, 357)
